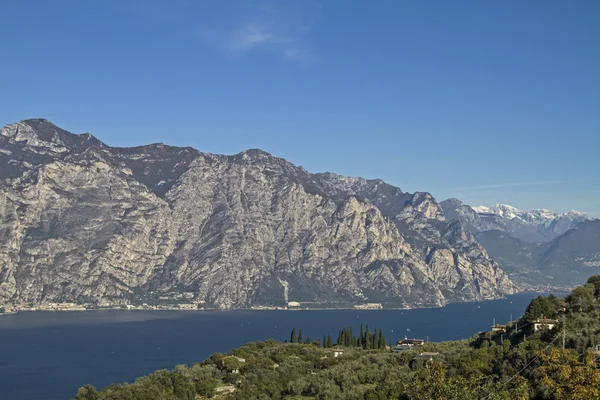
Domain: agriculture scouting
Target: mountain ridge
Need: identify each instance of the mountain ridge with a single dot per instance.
(86, 222)
(533, 226)
(565, 261)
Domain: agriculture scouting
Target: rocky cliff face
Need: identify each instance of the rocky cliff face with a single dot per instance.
(534, 226)
(82, 221)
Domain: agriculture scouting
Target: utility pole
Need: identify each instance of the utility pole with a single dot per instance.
(564, 332)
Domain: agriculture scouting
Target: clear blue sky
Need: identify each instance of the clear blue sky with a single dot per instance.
(487, 101)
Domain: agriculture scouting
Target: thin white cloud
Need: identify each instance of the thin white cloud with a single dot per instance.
(252, 36)
(265, 27)
(510, 184)
(268, 26)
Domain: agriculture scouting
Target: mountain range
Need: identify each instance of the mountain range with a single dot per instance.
(536, 248)
(84, 222)
(531, 226)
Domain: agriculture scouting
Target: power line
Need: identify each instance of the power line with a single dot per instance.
(523, 369)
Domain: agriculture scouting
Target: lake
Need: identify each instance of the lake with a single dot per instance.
(48, 355)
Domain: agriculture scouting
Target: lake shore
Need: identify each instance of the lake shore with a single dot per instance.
(297, 306)
(292, 306)
(61, 351)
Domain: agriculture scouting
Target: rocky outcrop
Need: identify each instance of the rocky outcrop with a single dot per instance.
(82, 221)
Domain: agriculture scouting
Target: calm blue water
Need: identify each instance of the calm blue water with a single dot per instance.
(47, 356)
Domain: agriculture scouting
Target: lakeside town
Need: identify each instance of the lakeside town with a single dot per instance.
(187, 301)
(175, 302)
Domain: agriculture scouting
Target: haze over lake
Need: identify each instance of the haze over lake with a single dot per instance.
(47, 356)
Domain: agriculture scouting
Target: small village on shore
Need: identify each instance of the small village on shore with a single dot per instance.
(179, 302)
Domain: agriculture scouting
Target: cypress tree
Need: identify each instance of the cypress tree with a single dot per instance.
(381, 339)
(319, 342)
(390, 344)
(293, 337)
(329, 342)
(345, 342)
(339, 338)
(300, 336)
(324, 341)
(375, 339)
(308, 340)
(350, 337)
(362, 335)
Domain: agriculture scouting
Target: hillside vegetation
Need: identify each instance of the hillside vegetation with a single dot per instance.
(516, 364)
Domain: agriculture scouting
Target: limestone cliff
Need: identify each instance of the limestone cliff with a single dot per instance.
(82, 221)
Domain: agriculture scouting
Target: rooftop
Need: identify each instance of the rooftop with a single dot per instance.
(546, 321)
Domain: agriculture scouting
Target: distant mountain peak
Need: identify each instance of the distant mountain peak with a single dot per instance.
(508, 211)
(255, 153)
(453, 200)
(39, 132)
(539, 225)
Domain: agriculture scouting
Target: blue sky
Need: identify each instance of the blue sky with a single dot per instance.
(490, 102)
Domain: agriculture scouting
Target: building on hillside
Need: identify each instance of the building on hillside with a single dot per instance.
(411, 342)
(233, 370)
(429, 355)
(407, 344)
(498, 328)
(338, 352)
(562, 307)
(544, 324)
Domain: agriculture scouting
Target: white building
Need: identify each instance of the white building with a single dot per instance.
(338, 352)
(544, 323)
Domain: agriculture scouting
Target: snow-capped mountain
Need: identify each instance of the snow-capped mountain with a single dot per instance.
(541, 215)
(540, 225)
